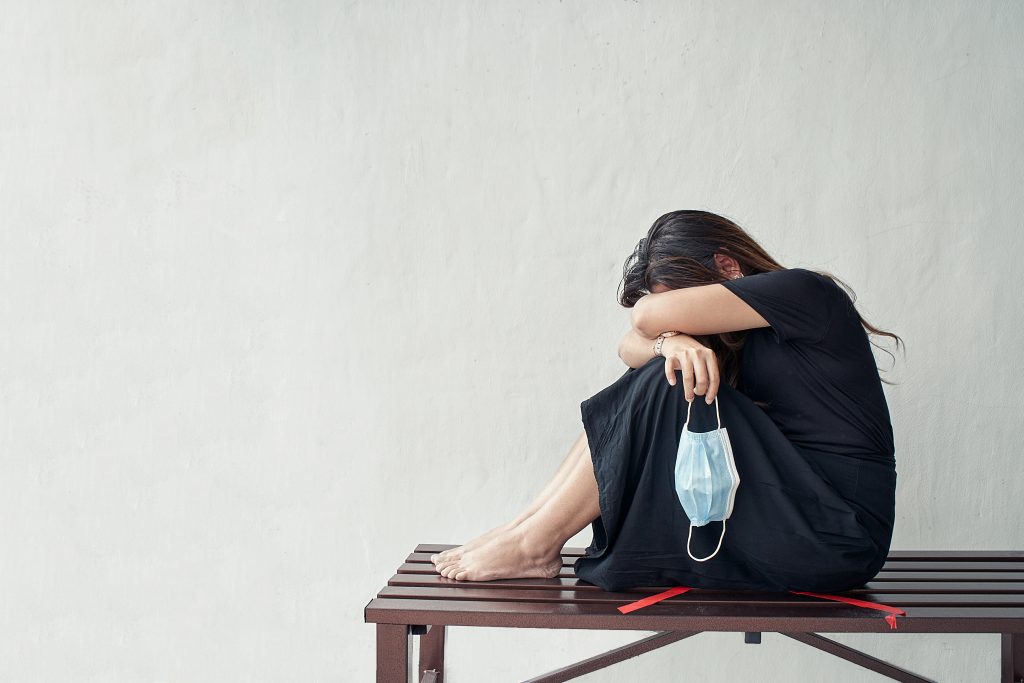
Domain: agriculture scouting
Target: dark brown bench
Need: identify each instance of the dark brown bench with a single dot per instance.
(940, 591)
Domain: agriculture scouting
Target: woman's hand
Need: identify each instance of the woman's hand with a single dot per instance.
(698, 363)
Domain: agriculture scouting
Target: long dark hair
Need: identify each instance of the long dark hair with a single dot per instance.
(679, 251)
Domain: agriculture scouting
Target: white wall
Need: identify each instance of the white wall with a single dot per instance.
(287, 288)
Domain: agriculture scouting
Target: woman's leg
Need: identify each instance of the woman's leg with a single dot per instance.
(533, 547)
(577, 450)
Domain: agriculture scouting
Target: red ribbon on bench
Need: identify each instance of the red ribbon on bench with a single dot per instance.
(889, 618)
(671, 592)
(650, 600)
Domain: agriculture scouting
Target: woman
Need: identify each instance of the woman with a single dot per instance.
(789, 360)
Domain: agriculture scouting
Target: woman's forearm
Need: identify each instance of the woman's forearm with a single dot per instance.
(635, 349)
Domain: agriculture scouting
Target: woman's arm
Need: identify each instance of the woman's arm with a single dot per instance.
(706, 309)
(635, 349)
(682, 352)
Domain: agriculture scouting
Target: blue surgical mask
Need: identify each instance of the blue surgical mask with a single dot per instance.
(706, 478)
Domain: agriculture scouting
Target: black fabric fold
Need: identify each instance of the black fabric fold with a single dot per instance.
(803, 519)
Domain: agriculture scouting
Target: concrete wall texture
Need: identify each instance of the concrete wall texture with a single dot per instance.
(288, 288)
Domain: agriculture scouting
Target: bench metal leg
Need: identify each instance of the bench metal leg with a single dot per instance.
(394, 645)
(619, 654)
(432, 655)
(857, 657)
(1013, 658)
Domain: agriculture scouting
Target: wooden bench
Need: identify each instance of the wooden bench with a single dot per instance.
(940, 591)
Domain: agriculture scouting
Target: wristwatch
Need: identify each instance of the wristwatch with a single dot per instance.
(661, 340)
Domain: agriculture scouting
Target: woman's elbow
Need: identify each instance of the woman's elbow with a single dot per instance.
(622, 352)
(641, 320)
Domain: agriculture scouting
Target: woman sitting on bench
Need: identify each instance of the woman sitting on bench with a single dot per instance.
(788, 358)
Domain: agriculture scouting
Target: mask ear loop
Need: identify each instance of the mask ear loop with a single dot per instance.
(689, 406)
(704, 559)
(718, 418)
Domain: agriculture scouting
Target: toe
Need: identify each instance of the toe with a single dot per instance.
(464, 573)
(441, 559)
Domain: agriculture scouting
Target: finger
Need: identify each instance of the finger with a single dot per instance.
(714, 379)
(700, 373)
(687, 367)
(670, 370)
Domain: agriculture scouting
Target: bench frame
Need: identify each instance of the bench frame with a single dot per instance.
(941, 591)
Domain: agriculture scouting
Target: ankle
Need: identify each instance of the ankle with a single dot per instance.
(517, 521)
(537, 541)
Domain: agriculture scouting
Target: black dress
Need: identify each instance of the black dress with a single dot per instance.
(815, 506)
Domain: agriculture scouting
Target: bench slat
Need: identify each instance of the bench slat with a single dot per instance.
(829, 618)
(903, 555)
(965, 587)
(890, 565)
(426, 568)
(953, 565)
(472, 592)
(424, 558)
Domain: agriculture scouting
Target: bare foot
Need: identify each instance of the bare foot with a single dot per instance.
(511, 555)
(448, 556)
